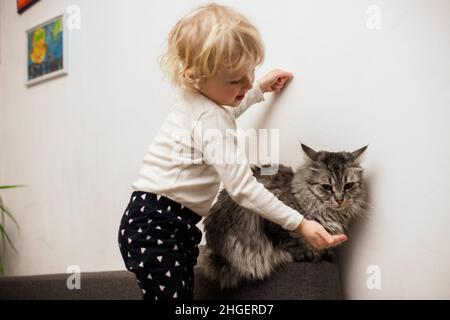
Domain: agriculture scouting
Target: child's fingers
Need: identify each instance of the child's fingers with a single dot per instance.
(279, 83)
(286, 75)
(282, 81)
(338, 239)
(325, 236)
(331, 241)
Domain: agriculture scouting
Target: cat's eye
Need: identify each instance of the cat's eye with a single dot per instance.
(349, 185)
(327, 187)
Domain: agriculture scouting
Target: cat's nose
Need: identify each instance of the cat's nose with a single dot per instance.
(339, 202)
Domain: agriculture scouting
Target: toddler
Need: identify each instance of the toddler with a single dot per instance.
(212, 55)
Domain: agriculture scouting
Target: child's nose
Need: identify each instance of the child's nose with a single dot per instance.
(248, 84)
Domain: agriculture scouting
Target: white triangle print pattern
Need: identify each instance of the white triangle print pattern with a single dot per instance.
(130, 221)
(168, 208)
(160, 242)
(141, 264)
(160, 211)
(175, 248)
(126, 213)
(143, 196)
(158, 196)
(162, 287)
(149, 276)
(182, 282)
(168, 274)
(140, 230)
(159, 258)
(149, 237)
(175, 295)
(177, 264)
(143, 250)
(129, 240)
(158, 227)
(122, 231)
(142, 209)
(134, 198)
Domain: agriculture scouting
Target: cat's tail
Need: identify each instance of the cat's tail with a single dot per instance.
(216, 269)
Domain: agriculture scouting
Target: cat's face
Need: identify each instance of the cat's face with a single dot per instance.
(336, 178)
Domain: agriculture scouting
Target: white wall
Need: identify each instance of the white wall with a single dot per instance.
(78, 141)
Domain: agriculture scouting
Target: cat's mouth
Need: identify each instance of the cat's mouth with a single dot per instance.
(339, 206)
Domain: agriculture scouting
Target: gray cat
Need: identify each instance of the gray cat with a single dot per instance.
(243, 246)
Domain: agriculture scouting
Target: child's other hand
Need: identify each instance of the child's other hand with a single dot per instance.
(317, 236)
(275, 80)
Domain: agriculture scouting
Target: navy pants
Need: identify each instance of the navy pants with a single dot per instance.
(158, 240)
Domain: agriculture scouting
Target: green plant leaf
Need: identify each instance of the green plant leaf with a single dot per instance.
(5, 234)
(2, 223)
(3, 210)
(1, 265)
(12, 187)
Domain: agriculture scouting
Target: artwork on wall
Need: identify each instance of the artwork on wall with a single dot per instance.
(47, 50)
(23, 5)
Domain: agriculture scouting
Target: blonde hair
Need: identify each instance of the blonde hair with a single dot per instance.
(207, 40)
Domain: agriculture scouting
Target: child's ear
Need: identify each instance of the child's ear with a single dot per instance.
(192, 77)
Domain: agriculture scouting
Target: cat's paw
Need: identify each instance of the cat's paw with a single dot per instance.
(313, 256)
(307, 256)
(328, 255)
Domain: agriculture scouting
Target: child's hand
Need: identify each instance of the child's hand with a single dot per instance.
(274, 81)
(317, 236)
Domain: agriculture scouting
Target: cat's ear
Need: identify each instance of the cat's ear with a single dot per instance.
(309, 152)
(356, 155)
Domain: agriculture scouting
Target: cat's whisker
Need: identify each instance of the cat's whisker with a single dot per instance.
(365, 203)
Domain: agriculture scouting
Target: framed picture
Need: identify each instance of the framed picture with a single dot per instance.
(23, 5)
(47, 50)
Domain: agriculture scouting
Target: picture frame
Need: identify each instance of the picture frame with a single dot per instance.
(47, 50)
(23, 5)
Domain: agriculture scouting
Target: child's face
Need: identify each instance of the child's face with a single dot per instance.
(228, 89)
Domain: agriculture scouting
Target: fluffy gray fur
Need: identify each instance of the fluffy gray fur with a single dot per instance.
(243, 246)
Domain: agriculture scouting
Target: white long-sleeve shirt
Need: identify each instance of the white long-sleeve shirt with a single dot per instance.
(184, 162)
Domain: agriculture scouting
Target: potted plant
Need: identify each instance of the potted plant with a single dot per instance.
(4, 235)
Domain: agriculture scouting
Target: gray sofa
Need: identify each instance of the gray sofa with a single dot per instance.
(292, 282)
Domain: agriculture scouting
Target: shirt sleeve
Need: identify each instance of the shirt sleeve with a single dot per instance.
(254, 96)
(221, 150)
